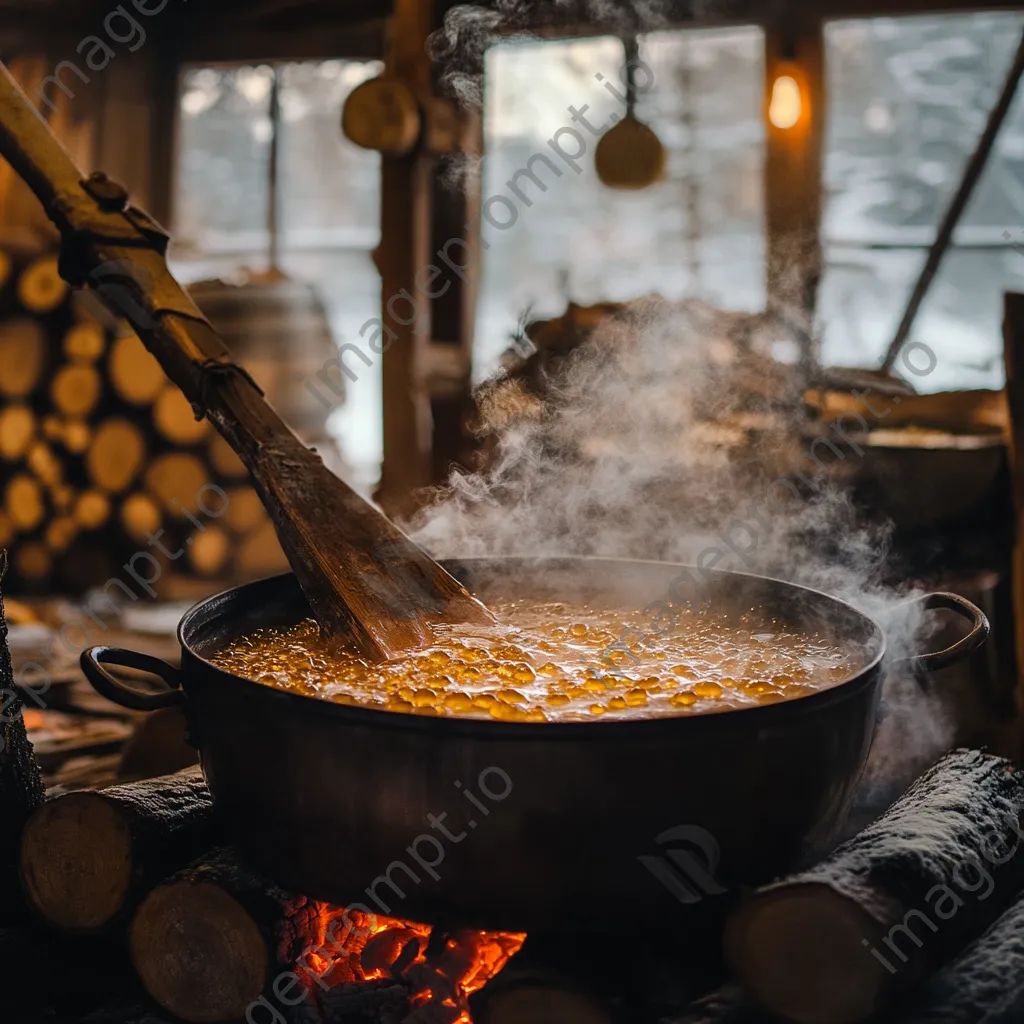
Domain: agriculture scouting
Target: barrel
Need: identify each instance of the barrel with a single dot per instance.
(277, 328)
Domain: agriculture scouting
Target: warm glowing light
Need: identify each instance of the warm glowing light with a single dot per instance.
(786, 105)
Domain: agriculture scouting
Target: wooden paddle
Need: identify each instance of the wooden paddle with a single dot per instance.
(363, 577)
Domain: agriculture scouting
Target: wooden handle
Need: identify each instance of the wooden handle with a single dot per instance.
(32, 149)
(362, 576)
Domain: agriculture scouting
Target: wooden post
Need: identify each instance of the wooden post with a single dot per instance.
(405, 248)
(1013, 354)
(794, 47)
(448, 370)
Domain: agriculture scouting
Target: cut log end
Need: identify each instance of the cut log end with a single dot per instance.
(76, 862)
(808, 956)
(198, 952)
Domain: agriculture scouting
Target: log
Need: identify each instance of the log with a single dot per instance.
(22, 356)
(76, 435)
(140, 516)
(40, 287)
(116, 455)
(839, 941)
(175, 479)
(24, 501)
(85, 342)
(92, 510)
(87, 858)
(984, 984)
(209, 551)
(17, 430)
(217, 937)
(135, 374)
(33, 560)
(21, 786)
(174, 418)
(44, 464)
(76, 389)
(204, 942)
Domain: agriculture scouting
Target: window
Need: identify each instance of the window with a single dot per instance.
(908, 99)
(329, 196)
(697, 233)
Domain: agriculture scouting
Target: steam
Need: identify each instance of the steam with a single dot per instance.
(629, 447)
(460, 46)
(670, 434)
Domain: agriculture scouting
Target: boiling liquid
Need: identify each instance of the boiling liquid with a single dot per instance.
(551, 662)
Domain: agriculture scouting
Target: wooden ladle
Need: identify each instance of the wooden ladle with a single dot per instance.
(630, 155)
(364, 579)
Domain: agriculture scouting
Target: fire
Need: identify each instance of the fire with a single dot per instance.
(439, 972)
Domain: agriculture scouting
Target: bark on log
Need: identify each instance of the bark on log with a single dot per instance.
(985, 985)
(836, 943)
(204, 943)
(21, 787)
(87, 858)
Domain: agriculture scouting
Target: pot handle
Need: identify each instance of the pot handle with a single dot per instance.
(980, 630)
(106, 684)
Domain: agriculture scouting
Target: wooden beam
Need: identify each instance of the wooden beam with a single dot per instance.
(794, 48)
(405, 247)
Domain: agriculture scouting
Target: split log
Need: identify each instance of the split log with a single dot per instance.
(87, 858)
(838, 942)
(21, 786)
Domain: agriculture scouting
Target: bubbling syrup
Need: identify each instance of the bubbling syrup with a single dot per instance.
(556, 663)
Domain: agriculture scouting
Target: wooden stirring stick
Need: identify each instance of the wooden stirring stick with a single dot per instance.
(362, 576)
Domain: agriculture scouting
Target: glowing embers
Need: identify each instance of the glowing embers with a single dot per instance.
(550, 662)
(355, 956)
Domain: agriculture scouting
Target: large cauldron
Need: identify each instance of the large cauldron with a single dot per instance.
(525, 826)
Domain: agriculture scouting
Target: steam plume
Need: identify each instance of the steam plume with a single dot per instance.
(460, 46)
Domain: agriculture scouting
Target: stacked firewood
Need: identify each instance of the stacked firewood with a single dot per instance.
(102, 457)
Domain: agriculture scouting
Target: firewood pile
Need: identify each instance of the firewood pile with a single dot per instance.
(102, 457)
(127, 905)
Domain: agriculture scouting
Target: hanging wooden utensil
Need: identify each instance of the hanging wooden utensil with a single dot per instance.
(362, 576)
(630, 156)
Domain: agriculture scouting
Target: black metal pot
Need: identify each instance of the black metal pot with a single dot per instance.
(525, 826)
